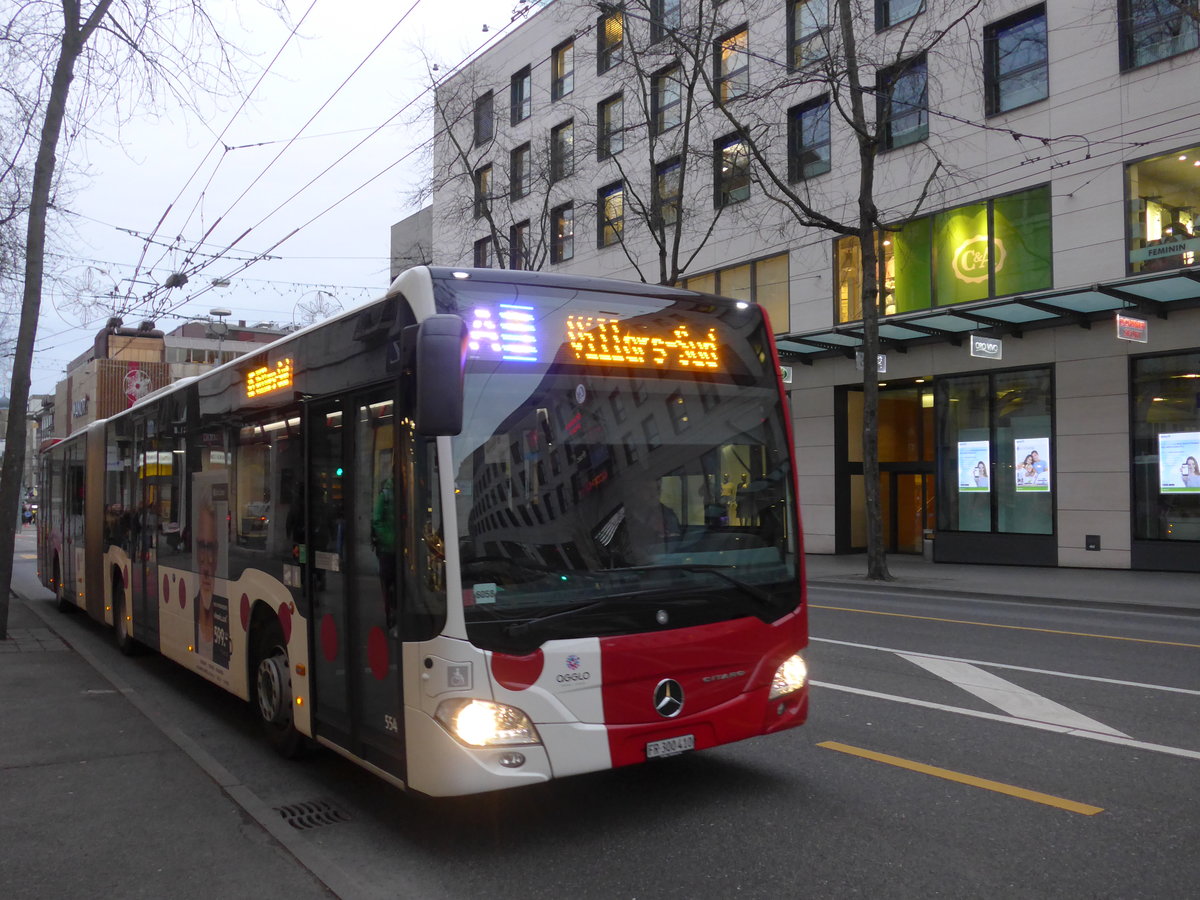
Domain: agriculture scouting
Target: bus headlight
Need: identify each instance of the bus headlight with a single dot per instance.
(789, 677)
(482, 723)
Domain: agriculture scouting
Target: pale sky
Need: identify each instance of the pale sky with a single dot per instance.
(344, 252)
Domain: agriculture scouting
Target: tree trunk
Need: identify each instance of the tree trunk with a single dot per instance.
(73, 39)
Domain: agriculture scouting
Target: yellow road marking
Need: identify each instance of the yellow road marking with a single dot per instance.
(27, 556)
(949, 775)
(1107, 637)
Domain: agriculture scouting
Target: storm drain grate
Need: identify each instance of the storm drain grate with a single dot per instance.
(311, 814)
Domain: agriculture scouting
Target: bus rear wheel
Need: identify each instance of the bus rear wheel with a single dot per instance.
(64, 605)
(124, 637)
(273, 692)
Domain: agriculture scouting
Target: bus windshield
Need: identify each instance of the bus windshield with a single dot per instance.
(623, 467)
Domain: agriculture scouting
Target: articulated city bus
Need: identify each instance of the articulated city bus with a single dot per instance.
(495, 528)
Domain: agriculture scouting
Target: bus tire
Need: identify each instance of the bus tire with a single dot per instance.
(124, 637)
(64, 605)
(272, 696)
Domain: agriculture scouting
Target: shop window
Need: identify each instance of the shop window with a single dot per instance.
(1165, 197)
(975, 252)
(1016, 61)
(1166, 447)
(995, 442)
(1156, 29)
(763, 281)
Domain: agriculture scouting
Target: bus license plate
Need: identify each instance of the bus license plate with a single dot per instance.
(670, 746)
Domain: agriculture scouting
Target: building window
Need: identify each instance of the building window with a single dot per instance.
(808, 32)
(610, 214)
(483, 253)
(562, 70)
(1156, 29)
(668, 178)
(562, 247)
(995, 441)
(890, 12)
(763, 281)
(1016, 61)
(995, 248)
(518, 246)
(731, 178)
(808, 139)
(483, 190)
(903, 93)
(610, 128)
(484, 107)
(666, 100)
(1165, 216)
(521, 95)
(520, 171)
(610, 40)
(664, 18)
(562, 150)
(1165, 397)
(732, 64)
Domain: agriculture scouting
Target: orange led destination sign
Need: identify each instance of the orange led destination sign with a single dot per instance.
(603, 341)
(265, 379)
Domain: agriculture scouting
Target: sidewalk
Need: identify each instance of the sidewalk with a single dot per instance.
(1173, 591)
(98, 798)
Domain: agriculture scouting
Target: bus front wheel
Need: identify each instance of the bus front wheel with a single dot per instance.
(273, 691)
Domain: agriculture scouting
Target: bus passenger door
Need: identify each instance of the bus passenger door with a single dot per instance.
(351, 576)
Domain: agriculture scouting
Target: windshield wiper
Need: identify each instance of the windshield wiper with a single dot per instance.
(755, 593)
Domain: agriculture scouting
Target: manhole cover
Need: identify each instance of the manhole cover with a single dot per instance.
(311, 814)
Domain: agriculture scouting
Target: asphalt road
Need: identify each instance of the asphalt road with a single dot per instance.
(956, 748)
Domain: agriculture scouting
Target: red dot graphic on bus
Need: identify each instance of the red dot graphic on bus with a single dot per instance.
(182, 594)
(377, 652)
(285, 622)
(166, 594)
(329, 638)
(517, 672)
(245, 612)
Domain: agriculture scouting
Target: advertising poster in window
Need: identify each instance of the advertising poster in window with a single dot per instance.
(210, 518)
(974, 474)
(1178, 469)
(1032, 461)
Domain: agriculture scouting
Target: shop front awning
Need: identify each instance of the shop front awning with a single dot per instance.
(1149, 296)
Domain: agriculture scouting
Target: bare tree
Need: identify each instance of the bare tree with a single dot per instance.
(874, 83)
(72, 59)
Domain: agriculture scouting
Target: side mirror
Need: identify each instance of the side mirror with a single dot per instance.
(441, 353)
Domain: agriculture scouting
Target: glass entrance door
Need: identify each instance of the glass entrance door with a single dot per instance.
(350, 571)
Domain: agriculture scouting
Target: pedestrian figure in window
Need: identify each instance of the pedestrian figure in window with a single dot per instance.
(383, 542)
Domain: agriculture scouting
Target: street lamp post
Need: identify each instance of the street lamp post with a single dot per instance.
(219, 328)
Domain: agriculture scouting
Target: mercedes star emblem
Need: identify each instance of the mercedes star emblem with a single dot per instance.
(668, 698)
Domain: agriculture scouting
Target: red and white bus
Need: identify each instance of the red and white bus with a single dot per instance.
(495, 528)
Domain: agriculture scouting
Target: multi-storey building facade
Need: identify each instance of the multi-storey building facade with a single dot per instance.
(1037, 177)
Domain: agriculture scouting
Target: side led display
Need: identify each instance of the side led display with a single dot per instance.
(507, 331)
(266, 379)
(605, 341)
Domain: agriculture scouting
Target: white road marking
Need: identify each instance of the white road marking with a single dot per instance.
(1010, 720)
(1013, 699)
(996, 665)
